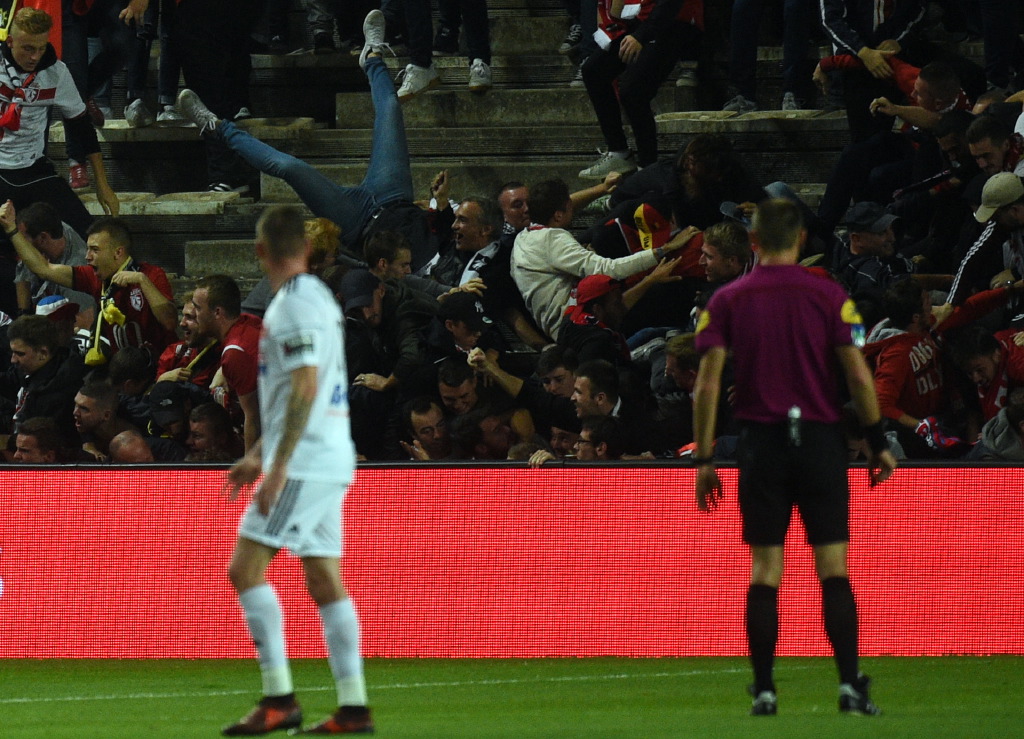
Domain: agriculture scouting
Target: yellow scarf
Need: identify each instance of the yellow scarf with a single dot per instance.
(110, 313)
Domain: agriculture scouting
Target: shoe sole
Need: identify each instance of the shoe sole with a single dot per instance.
(430, 86)
(583, 176)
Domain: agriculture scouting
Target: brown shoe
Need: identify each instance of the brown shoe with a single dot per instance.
(268, 716)
(346, 720)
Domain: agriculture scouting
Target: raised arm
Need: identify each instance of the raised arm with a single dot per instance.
(60, 274)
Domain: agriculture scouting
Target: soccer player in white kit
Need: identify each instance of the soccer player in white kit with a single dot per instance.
(308, 459)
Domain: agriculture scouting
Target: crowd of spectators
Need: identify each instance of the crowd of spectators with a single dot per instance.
(493, 326)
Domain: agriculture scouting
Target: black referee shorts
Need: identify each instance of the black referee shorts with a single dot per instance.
(775, 476)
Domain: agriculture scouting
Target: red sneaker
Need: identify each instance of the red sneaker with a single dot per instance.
(96, 116)
(78, 177)
(346, 720)
(266, 718)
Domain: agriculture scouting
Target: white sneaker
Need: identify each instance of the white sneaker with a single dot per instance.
(137, 115)
(479, 76)
(417, 79)
(789, 102)
(170, 113)
(609, 162)
(193, 109)
(577, 78)
(373, 31)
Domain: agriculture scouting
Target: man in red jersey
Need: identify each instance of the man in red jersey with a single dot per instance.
(136, 303)
(218, 306)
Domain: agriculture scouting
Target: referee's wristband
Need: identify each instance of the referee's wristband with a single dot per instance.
(875, 437)
(701, 461)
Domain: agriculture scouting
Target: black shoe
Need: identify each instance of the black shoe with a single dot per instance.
(446, 41)
(323, 43)
(854, 698)
(766, 703)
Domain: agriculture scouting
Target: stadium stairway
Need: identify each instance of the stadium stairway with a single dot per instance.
(530, 125)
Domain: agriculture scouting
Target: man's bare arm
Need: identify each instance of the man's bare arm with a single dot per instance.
(61, 274)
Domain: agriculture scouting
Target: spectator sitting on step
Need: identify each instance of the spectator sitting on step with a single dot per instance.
(639, 43)
(384, 198)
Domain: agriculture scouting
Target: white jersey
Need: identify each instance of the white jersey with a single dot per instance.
(51, 87)
(303, 327)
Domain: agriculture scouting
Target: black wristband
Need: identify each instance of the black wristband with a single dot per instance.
(875, 437)
(11, 233)
(698, 461)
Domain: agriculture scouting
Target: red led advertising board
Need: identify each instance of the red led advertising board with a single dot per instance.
(503, 562)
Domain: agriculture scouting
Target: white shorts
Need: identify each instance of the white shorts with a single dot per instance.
(305, 519)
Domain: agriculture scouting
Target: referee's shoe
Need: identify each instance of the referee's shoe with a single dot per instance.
(854, 698)
(766, 703)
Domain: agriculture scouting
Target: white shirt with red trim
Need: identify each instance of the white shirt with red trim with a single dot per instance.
(51, 87)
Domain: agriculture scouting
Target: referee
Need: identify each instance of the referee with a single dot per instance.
(790, 332)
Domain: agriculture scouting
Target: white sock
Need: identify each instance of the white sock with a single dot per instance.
(266, 625)
(341, 631)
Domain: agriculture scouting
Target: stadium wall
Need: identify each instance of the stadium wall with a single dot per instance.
(502, 562)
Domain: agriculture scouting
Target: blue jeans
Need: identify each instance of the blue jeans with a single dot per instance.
(746, 23)
(388, 178)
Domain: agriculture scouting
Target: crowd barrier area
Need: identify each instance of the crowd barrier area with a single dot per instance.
(492, 561)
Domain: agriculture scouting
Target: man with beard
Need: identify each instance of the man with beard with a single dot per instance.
(195, 358)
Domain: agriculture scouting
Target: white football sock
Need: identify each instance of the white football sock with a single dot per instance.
(266, 625)
(341, 631)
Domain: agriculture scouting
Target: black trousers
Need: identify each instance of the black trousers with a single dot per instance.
(638, 83)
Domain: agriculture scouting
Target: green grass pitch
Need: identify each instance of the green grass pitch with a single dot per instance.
(608, 697)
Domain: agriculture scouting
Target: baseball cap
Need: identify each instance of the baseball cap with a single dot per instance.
(464, 307)
(1000, 190)
(593, 287)
(57, 308)
(357, 288)
(167, 402)
(868, 216)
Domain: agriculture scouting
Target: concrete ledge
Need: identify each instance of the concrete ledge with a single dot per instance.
(118, 131)
(234, 257)
(182, 203)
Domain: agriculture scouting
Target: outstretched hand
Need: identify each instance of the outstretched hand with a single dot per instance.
(881, 466)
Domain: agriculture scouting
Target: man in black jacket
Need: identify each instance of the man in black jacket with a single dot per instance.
(43, 377)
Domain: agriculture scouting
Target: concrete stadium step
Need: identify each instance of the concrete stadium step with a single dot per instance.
(228, 256)
(442, 108)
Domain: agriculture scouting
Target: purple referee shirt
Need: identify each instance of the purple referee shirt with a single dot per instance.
(783, 325)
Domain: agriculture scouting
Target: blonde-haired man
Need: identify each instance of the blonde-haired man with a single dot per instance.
(32, 81)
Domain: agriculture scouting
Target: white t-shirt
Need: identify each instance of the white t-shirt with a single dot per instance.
(51, 87)
(303, 327)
